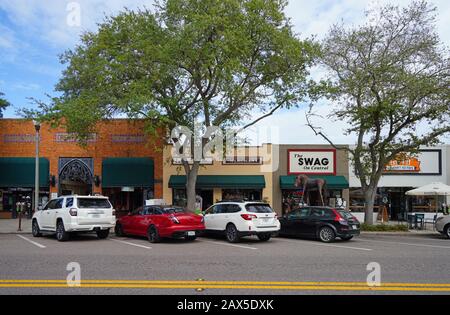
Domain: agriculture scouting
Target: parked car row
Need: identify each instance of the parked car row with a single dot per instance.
(233, 219)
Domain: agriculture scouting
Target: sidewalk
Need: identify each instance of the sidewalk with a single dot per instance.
(11, 226)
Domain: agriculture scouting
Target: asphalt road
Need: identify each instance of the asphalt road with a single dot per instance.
(409, 265)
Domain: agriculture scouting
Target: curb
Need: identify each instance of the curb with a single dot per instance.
(400, 233)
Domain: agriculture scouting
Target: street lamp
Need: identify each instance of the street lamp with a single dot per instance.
(37, 127)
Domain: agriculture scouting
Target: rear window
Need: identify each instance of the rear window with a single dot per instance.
(259, 208)
(91, 203)
(172, 210)
(345, 214)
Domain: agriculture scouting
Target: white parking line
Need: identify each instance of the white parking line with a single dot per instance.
(32, 242)
(312, 243)
(233, 245)
(407, 244)
(132, 244)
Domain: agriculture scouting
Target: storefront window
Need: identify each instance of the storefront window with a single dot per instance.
(10, 197)
(126, 201)
(245, 194)
(357, 201)
(179, 197)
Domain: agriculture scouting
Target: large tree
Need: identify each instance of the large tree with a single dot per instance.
(3, 104)
(389, 80)
(216, 62)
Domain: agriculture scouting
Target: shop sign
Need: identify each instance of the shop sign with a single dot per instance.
(243, 160)
(425, 162)
(404, 163)
(312, 162)
(71, 137)
(20, 138)
(128, 138)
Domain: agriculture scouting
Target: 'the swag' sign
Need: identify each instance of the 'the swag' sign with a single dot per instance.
(312, 162)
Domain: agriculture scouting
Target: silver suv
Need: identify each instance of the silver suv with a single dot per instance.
(443, 225)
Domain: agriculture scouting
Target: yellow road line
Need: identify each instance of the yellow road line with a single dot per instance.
(236, 285)
(233, 287)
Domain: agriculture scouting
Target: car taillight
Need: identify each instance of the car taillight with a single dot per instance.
(114, 212)
(174, 219)
(339, 218)
(248, 217)
(73, 212)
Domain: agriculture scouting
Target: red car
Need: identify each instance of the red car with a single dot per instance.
(157, 222)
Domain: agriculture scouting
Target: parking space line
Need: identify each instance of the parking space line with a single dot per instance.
(407, 244)
(131, 244)
(327, 245)
(232, 245)
(32, 242)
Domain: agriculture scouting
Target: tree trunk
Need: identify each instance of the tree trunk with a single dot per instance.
(369, 198)
(191, 183)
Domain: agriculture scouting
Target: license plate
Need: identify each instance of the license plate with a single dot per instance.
(95, 215)
(190, 233)
(355, 227)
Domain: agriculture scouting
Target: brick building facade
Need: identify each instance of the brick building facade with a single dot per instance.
(119, 161)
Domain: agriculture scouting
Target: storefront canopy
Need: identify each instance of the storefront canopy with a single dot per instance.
(434, 189)
(333, 182)
(221, 181)
(128, 172)
(20, 172)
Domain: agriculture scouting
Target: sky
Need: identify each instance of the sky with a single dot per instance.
(33, 33)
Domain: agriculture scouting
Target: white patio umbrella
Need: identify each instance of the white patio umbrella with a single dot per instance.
(433, 189)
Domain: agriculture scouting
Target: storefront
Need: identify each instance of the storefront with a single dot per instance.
(119, 161)
(405, 173)
(227, 187)
(128, 182)
(323, 165)
(246, 175)
(17, 184)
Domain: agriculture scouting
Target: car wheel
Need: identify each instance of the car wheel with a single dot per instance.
(347, 238)
(102, 234)
(153, 235)
(61, 234)
(264, 237)
(118, 230)
(190, 238)
(35, 229)
(447, 231)
(232, 234)
(327, 235)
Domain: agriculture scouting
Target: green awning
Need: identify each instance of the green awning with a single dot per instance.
(19, 172)
(221, 181)
(128, 172)
(333, 182)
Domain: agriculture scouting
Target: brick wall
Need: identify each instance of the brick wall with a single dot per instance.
(103, 147)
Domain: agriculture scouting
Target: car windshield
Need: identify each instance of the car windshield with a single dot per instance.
(91, 203)
(171, 210)
(258, 208)
(345, 214)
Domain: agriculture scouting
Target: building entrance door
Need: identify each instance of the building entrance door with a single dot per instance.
(75, 178)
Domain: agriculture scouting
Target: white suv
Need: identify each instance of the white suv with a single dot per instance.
(238, 219)
(443, 225)
(75, 214)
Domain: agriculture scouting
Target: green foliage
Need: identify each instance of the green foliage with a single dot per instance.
(216, 61)
(384, 228)
(3, 104)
